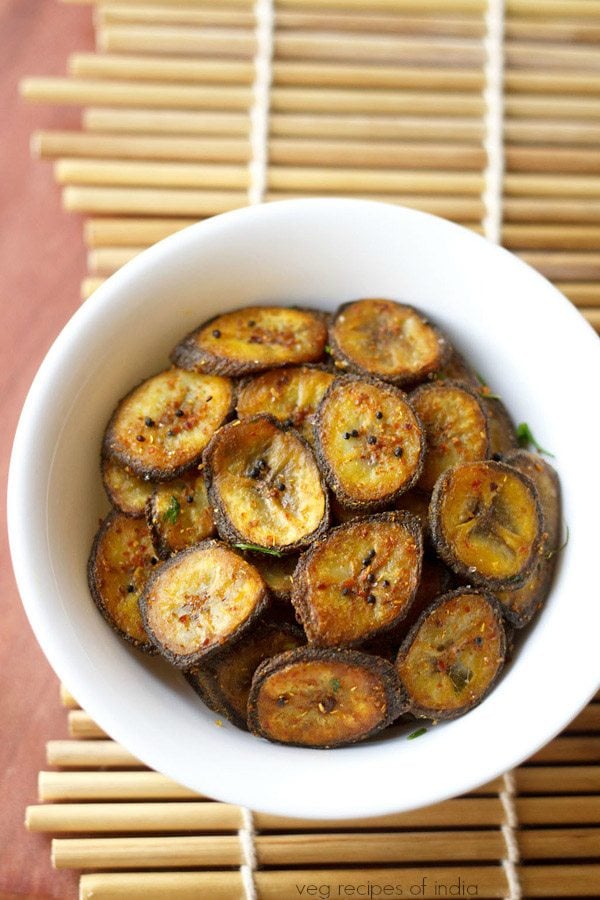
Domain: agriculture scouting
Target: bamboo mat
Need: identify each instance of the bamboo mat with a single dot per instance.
(137, 834)
(487, 116)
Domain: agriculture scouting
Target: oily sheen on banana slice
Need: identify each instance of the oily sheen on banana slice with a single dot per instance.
(161, 427)
(253, 339)
(452, 657)
(323, 698)
(486, 523)
(120, 564)
(265, 486)
(200, 600)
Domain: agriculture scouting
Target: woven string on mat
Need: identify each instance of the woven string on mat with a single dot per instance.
(492, 226)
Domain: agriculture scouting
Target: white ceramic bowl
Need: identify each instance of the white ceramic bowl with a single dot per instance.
(532, 346)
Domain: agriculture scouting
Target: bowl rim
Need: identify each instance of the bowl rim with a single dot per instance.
(29, 421)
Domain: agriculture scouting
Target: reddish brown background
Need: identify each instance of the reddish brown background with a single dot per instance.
(42, 261)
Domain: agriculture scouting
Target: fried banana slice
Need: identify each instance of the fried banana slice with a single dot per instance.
(323, 698)
(452, 657)
(289, 395)
(455, 426)
(390, 340)
(503, 436)
(278, 572)
(200, 600)
(369, 442)
(120, 564)
(179, 514)
(520, 606)
(226, 680)
(265, 486)
(486, 523)
(254, 339)
(161, 428)
(359, 580)
(127, 493)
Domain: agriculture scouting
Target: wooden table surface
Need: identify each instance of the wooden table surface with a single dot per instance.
(42, 261)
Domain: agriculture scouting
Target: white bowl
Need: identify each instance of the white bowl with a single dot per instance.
(530, 343)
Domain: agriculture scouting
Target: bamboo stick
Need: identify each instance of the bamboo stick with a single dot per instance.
(169, 96)
(160, 885)
(157, 174)
(114, 201)
(67, 699)
(552, 133)
(312, 20)
(529, 106)
(121, 67)
(557, 779)
(550, 56)
(165, 122)
(551, 237)
(89, 285)
(560, 881)
(277, 850)
(593, 317)
(110, 786)
(92, 754)
(282, 178)
(551, 159)
(106, 260)
(285, 125)
(277, 884)
(554, 210)
(184, 41)
(448, 7)
(557, 265)
(52, 144)
(206, 816)
(315, 849)
(123, 93)
(570, 186)
(570, 749)
(588, 719)
(146, 853)
(82, 726)
(581, 293)
(138, 817)
(120, 232)
(217, 42)
(132, 67)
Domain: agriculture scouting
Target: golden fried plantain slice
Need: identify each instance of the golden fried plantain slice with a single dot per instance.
(417, 503)
(254, 339)
(162, 426)
(359, 580)
(225, 681)
(369, 442)
(278, 572)
(179, 514)
(265, 486)
(127, 493)
(121, 561)
(322, 698)
(503, 436)
(199, 601)
(520, 606)
(452, 657)
(456, 368)
(486, 523)
(289, 395)
(455, 426)
(390, 340)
